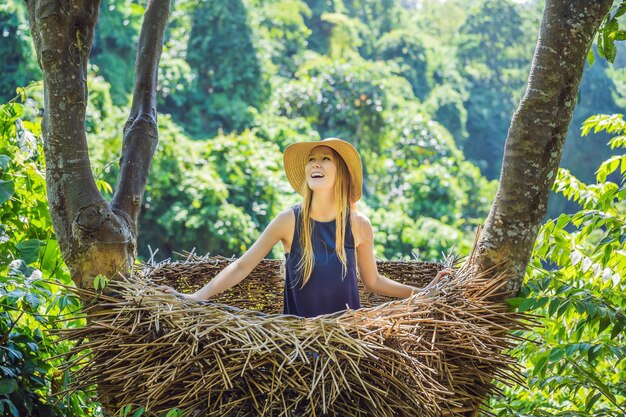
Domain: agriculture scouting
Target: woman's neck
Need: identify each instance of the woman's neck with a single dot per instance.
(323, 206)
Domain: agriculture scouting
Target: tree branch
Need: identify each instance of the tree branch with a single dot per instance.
(63, 34)
(536, 135)
(140, 131)
(95, 238)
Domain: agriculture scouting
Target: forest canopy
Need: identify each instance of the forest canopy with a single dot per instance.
(426, 89)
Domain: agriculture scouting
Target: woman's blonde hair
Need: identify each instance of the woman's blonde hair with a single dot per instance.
(343, 206)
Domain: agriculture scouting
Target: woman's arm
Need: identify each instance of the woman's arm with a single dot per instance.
(368, 271)
(234, 273)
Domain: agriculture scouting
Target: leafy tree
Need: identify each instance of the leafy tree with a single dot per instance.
(406, 49)
(18, 64)
(33, 299)
(320, 29)
(114, 45)
(282, 33)
(576, 284)
(228, 84)
(97, 236)
(446, 105)
(493, 60)
(345, 100)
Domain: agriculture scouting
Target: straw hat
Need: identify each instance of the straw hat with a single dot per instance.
(297, 154)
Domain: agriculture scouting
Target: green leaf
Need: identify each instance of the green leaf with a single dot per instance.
(556, 354)
(620, 35)
(8, 385)
(6, 191)
(554, 304)
(515, 302)
(33, 300)
(541, 363)
(618, 11)
(594, 352)
(100, 282)
(5, 160)
(175, 412)
(618, 327)
(125, 410)
(592, 399)
(618, 142)
(601, 386)
(608, 167)
(139, 412)
(610, 50)
(541, 302)
(28, 250)
(563, 308)
(527, 304)
(591, 57)
(603, 324)
(571, 349)
(562, 221)
(12, 408)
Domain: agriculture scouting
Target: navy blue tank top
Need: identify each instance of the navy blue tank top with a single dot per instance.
(325, 292)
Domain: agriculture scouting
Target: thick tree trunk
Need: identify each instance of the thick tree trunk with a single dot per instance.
(95, 237)
(535, 140)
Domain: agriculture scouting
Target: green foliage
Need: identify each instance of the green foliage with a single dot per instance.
(33, 296)
(115, 45)
(320, 29)
(406, 49)
(344, 35)
(19, 61)
(445, 105)
(282, 32)
(215, 196)
(228, 84)
(424, 174)
(608, 33)
(494, 64)
(576, 285)
(344, 100)
(399, 236)
(378, 18)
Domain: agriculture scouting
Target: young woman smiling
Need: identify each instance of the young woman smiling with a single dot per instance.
(326, 240)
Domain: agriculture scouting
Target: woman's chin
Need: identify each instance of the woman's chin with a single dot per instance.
(317, 185)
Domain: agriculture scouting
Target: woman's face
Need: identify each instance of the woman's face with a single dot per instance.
(321, 169)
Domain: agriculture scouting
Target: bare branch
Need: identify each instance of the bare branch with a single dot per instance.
(140, 131)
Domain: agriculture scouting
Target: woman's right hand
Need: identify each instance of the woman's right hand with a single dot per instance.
(173, 291)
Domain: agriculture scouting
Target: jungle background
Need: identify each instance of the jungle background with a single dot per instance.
(425, 89)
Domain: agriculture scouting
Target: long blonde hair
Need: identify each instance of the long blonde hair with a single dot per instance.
(343, 207)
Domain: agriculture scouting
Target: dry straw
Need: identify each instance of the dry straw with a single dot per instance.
(434, 354)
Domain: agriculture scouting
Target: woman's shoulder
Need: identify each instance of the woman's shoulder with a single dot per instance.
(359, 219)
(282, 226)
(361, 227)
(287, 216)
(286, 220)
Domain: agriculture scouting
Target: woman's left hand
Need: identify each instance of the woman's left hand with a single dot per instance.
(440, 275)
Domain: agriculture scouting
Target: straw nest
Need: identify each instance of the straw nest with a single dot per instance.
(434, 354)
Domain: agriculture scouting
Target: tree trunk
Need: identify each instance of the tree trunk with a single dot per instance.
(95, 237)
(535, 140)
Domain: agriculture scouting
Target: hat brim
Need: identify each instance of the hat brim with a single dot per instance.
(296, 157)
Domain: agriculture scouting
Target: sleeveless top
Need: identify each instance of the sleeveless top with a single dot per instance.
(325, 292)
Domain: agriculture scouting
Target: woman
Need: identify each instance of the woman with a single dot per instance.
(325, 238)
